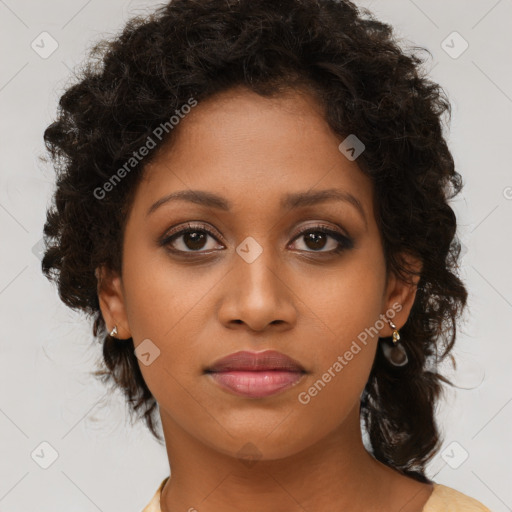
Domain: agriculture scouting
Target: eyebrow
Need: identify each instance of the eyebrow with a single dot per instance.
(288, 201)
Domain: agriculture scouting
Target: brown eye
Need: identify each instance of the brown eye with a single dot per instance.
(192, 239)
(317, 238)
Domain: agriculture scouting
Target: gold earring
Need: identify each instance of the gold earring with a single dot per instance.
(396, 353)
(396, 335)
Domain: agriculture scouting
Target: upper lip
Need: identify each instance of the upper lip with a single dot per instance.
(256, 361)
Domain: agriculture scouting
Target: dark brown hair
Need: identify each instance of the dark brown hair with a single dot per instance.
(367, 85)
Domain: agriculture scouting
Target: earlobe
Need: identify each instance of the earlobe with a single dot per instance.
(111, 299)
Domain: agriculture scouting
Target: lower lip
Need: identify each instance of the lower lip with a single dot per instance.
(256, 384)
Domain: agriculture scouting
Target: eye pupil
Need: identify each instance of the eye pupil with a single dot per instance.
(197, 239)
(315, 237)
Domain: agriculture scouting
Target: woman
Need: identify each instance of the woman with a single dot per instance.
(252, 204)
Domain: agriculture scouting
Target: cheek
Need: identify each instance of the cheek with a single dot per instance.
(346, 338)
(349, 308)
(162, 299)
(166, 306)
(346, 302)
(340, 377)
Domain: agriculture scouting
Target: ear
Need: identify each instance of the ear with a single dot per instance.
(111, 298)
(399, 295)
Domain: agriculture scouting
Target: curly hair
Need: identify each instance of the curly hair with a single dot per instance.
(367, 85)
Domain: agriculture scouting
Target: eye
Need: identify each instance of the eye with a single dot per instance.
(191, 239)
(316, 238)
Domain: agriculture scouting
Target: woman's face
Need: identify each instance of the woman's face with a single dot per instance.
(254, 273)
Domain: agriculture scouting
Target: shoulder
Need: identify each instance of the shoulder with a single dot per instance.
(447, 499)
(154, 504)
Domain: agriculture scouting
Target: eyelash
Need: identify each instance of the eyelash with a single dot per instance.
(344, 242)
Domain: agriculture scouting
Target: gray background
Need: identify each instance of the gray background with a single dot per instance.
(46, 350)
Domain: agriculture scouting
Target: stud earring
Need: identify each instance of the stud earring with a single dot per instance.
(395, 353)
(113, 332)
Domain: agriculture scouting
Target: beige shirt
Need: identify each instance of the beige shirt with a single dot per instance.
(442, 499)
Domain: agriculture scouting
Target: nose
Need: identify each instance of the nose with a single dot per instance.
(256, 294)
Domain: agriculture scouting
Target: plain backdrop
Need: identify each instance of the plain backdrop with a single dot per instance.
(52, 410)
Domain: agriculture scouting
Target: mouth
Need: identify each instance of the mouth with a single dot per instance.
(256, 374)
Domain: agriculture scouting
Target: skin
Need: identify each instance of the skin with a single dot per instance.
(294, 298)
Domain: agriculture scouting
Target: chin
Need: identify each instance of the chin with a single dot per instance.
(254, 446)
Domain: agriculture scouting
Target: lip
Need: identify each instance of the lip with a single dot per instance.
(256, 374)
(245, 360)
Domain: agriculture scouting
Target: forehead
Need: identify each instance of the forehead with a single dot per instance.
(246, 147)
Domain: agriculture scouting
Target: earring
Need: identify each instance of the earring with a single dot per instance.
(113, 332)
(396, 353)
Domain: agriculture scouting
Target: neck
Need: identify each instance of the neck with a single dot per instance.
(337, 469)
